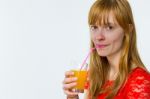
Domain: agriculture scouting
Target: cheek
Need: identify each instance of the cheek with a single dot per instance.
(92, 38)
(117, 41)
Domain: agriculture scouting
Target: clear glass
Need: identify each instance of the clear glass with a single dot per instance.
(81, 74)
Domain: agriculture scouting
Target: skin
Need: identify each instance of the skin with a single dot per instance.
(68, 84)
(108, 42)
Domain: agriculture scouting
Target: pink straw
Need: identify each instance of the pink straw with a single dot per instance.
(91, 50)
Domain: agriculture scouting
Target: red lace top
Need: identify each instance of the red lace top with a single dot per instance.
(136, 87)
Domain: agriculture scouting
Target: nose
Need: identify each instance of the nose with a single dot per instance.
(100, 34)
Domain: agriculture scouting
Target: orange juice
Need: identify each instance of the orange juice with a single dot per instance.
(82, 78)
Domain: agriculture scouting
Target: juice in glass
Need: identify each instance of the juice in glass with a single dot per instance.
(82, 78)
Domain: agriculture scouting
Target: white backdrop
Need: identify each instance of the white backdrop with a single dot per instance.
(40, 38)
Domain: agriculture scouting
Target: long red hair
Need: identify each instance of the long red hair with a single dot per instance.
(99, 66)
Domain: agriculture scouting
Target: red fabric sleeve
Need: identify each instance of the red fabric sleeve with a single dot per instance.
(138, 86)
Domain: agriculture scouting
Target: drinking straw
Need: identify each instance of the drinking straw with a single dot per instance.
(91, 50)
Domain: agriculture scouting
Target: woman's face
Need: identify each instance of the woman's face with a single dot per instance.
(108, 38)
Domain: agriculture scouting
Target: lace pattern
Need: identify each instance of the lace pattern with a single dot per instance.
(138, 85)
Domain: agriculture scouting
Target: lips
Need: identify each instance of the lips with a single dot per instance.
(100, 45)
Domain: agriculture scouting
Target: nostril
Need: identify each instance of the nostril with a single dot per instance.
(100, 37)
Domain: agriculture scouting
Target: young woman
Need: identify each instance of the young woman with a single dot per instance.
(116, 70)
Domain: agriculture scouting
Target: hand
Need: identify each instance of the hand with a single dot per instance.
(68, 83)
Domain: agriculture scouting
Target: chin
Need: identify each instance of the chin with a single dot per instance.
(102, 54)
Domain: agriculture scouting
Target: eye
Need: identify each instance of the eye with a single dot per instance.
(93, 27)
(109, 27)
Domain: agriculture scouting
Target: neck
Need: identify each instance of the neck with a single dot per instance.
(114, 65)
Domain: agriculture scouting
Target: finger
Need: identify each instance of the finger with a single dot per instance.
(69, 86)
(69, 73)
(70, 93)
(70, 80)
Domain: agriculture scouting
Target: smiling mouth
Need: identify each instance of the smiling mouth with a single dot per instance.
(100, 46)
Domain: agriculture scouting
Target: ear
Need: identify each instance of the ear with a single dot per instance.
(130, 28)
